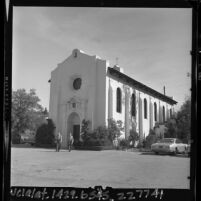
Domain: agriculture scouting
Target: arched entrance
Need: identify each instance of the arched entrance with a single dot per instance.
(74, 126)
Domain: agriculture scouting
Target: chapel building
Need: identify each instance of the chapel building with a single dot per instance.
(85, 87)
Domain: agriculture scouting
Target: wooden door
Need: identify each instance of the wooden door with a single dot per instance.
(76, 132)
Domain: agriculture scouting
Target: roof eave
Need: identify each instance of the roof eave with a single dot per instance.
(141, 86)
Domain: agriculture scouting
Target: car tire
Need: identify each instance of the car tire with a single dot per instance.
(156, 152)
(176, 151)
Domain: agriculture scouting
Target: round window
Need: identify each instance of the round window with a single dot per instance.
(77, 83)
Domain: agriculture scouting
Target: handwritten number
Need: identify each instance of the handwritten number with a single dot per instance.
(66, 194)
(121, 196)
(83, 195)
(131, 197)
(161, 194)
(147, 193)
(53, 194)
(155, 193)
(92, 195)
(139, 191)
(59, 194)
(105, 195)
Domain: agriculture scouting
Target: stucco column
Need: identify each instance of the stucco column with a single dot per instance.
(151, 113)
(167, 112)
(127, 97)
(140, 119)
(160, 112)
(110, 101)
(137, 112)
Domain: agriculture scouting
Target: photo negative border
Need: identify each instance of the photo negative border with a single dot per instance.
(97, 193)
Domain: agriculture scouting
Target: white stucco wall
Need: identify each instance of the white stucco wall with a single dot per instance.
(91, 96)
(101, 97)
(143, 125)
(96, 99)
(112, 86)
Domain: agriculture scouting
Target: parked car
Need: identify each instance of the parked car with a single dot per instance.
(169, 145)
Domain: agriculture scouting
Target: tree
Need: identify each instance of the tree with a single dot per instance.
(45, 134)
(179, 126)
(183, 120)
(27, 113)
(171, 131)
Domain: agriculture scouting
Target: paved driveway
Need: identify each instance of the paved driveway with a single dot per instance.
(118, 169)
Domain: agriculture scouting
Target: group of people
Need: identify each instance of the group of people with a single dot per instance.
(58, 141)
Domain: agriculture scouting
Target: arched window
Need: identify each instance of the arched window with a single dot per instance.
(163, 114)
(155, 111)
(119, 100)
(145, 108)
(133, 105)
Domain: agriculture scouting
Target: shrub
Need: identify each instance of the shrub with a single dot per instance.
(77, 144)
(99, 137)
(150, 139)
(102, 132)
(114, 129)
(93, 142)
(102, 136)
(16, 138)
(123, 143)
(133, 137)
(85, 126)
(87, 136)
(45, 134)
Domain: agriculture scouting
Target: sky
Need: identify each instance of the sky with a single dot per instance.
(152, 45)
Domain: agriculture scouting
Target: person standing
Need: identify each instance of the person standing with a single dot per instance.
(70, 143)
(58, 141)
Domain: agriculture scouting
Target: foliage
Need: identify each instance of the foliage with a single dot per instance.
(124, 143)
(87, 136)
(102, 133)
(179, 126)
(101, 136)
(78, 144)
(27, 113)
(16, 139)
(85, 126)
(171, 131)
(92, 142)
(114, 128)
(150, 139)
(151, 132)
(45, 134)
(183, 120)
(133, 137)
